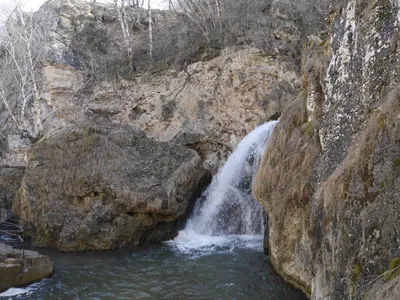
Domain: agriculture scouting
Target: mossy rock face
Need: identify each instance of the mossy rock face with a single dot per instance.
(105, 187)
(397, 161)
(356, 271)
(394, 269)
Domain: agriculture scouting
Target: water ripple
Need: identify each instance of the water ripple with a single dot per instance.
(162, 272)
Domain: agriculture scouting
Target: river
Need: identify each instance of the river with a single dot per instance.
(237, 269)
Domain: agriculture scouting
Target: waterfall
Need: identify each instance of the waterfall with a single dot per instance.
(227, 209)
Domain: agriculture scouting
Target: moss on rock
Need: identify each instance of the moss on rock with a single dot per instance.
(394, 269)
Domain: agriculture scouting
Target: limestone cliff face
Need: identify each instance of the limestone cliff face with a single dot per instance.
(210, 107)
(334, 217)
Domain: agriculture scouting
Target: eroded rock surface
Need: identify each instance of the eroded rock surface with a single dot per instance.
(20, 267)
(103, 187)
(209, 105)
(209, 108)
(330, 178)
(10, 182)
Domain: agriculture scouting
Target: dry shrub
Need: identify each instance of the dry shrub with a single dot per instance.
(294, 144)
(308, 15)
(283, 181)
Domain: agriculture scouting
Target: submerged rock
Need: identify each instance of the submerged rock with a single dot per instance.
(20, 267)
(94, 187)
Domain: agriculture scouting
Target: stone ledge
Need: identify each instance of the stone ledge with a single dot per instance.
(19, 267)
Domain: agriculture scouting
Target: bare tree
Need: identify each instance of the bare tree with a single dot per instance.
(205, 15)
(123, 21)
(150, 31)
(20, 56)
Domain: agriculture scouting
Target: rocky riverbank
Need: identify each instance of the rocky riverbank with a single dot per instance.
(21, 267)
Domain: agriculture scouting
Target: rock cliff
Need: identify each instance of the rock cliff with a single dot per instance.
(209, 108)
(329, 178)
(334, 217)
(208, 105)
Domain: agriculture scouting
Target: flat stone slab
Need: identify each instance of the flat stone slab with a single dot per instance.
(20, 267)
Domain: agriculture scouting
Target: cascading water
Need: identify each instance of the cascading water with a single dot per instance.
(217, 256)
(226, 211)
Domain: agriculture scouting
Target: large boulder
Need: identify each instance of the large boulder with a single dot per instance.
(94, 187)
(20, 267)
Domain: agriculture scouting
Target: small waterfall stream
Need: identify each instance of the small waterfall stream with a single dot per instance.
(226, 212)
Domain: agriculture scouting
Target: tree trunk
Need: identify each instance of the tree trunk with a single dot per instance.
(122, 18)
(150, 32)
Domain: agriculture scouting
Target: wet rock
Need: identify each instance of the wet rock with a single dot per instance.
(10, 182)
(21, 267)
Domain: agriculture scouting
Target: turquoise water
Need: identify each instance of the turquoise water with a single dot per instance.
(231, 271)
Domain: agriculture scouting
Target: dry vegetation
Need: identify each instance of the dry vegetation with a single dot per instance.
(297, 135)
(295, 146)
(196, 30)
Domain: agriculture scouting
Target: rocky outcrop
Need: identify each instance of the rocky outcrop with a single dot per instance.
(73, 27)
(21, 267)
(10, 182)
(334, 217)
(106, 186)
(209, 107)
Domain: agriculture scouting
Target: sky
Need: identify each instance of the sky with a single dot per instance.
(33, 5)
(6, 6)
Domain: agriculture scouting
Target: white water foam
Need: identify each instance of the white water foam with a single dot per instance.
(14, 292)
(226, 216)
(190, 242)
